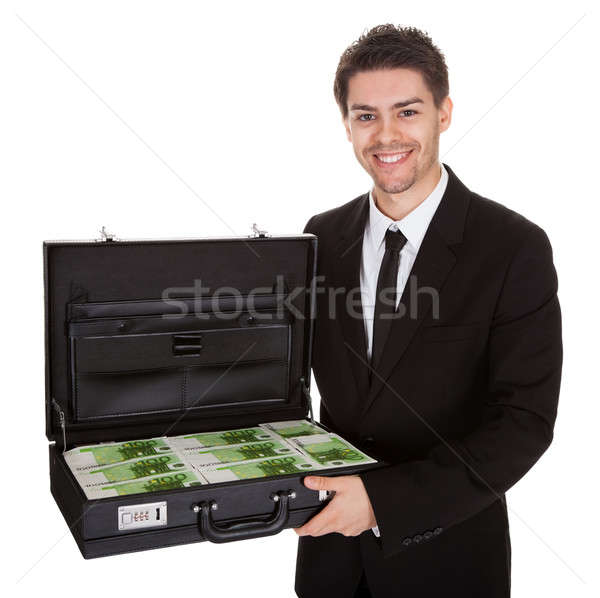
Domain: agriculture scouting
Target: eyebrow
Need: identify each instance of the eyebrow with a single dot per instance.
(402, 104)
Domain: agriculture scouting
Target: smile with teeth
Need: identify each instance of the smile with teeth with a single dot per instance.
(392, 158)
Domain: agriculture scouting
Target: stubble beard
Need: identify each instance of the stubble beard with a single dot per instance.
(397, 186)
(393, 187)
(411, 177)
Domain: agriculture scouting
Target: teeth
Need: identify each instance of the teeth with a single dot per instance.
(392, 159)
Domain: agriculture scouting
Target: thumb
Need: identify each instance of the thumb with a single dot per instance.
(316, 482)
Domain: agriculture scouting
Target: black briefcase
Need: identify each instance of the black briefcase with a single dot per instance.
(158, 338)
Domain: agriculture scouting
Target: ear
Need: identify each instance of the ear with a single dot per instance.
(445, 113)
(347, 127)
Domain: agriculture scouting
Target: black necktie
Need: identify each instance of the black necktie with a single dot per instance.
(386, 282)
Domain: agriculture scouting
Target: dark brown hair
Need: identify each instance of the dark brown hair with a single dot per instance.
(389, 46)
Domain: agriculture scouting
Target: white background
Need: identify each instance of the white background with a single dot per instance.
(177, 119)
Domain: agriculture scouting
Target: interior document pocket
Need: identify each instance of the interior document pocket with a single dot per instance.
(133, 366)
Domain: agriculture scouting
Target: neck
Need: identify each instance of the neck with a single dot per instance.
(397, 205)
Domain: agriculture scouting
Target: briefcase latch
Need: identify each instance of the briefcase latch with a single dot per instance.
(106, 237)
(258, 233)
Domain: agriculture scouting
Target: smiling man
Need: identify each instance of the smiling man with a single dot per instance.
(449, 369)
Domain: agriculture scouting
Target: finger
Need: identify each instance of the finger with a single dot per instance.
(316, 482)
(327, 527)
(315, 525)
(312, 526)
(350, 532)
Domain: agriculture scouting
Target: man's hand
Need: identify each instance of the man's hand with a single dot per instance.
(349, 512)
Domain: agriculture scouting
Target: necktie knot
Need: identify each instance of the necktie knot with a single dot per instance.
(394, 240)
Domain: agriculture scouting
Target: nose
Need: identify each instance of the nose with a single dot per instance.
(389, 133)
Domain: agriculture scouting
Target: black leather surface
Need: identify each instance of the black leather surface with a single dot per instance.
(121, 309)
(94, 524)
(143, 373)
(154, 351)
(118, 361)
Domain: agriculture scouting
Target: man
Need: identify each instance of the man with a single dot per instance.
(443, 357)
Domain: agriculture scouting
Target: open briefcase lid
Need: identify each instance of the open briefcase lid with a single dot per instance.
(163, 337)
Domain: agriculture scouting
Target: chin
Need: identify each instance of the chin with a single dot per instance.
(396, 186)
(395, 190)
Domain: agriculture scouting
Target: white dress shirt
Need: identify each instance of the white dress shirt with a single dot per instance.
(413, 226)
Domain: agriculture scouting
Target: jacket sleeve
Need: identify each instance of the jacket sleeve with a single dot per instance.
(308, 227)
(458, 478)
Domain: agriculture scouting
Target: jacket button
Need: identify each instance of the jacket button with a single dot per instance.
(417, 538)
(406, 541)
(437, 531)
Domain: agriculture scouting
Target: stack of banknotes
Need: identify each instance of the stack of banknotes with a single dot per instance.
(168, 462)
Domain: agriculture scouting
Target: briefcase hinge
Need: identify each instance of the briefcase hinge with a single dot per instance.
(307, 398)
(61, 419)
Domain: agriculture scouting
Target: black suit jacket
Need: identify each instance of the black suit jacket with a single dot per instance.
(462, 405)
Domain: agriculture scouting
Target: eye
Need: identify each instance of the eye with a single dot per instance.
(361, 117)
(405, 111)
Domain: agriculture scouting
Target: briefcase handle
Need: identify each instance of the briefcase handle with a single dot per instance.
(249, 528)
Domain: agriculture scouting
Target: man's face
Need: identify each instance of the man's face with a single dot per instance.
(394, 126)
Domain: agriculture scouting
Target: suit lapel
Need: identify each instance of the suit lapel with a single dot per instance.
(430, 270)
(348, 254)
(432, 266)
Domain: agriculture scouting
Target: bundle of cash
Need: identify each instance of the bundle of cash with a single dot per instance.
(181, 479)
(329, 450)
(165, 463)
(131, 470)
(293, 428)
(82, 458)
(224, 438)
(199, 458)
(259, 469)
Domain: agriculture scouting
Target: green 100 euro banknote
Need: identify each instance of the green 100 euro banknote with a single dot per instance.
(243, 452)
(86, 457)
(223, 438)
(131, 470)
(258, 469)
(293, 428)
(170, 481)
(329, 450)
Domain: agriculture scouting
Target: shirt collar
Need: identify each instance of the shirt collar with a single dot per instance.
(414, 225)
